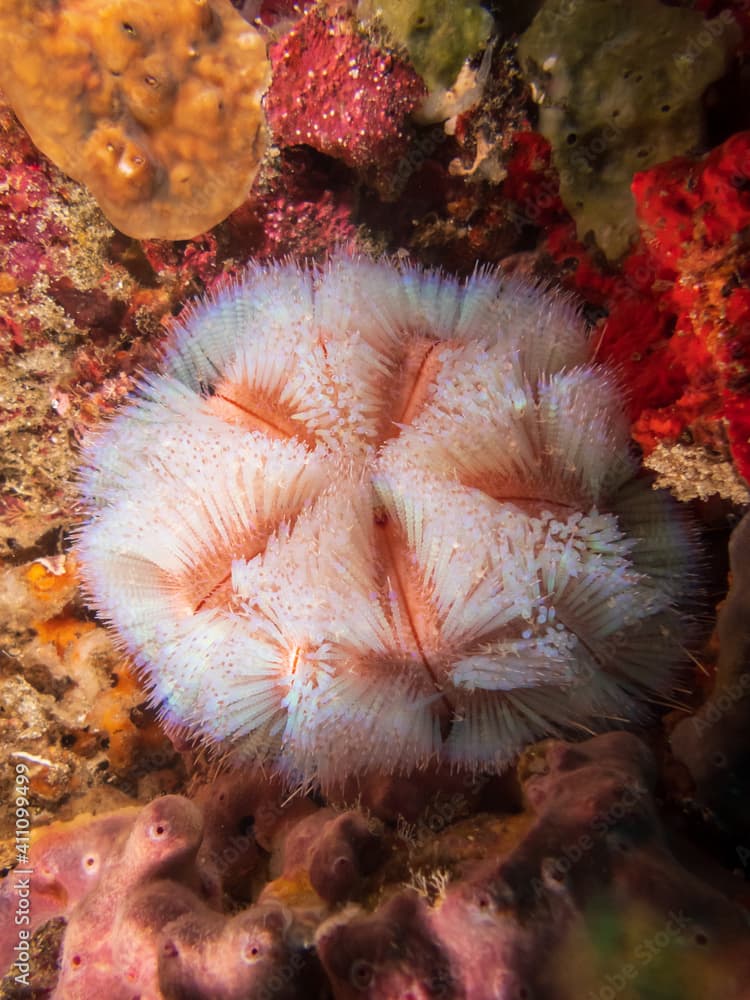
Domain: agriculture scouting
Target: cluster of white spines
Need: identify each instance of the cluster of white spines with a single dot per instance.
(352, 592)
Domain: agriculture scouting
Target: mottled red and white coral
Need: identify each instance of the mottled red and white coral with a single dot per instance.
(695, 215)
(367, 517)
(675, 312)
(334, 90)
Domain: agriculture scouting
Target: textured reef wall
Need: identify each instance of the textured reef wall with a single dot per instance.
(148, 152)
(577, 889)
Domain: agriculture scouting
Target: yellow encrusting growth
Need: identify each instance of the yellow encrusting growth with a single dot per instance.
(155, 105)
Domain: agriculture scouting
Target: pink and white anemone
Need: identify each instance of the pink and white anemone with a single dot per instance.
(366, 517)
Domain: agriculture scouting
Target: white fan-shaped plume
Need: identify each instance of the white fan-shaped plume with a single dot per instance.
(365, 517)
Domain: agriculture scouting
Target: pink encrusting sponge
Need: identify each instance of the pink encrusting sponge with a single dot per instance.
(366, 517)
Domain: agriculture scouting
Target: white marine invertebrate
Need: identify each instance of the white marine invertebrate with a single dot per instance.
(367, 516)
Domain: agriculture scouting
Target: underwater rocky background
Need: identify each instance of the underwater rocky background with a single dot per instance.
(594, 145)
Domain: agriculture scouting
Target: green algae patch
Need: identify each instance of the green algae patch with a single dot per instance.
(620, 86)
(438, 36)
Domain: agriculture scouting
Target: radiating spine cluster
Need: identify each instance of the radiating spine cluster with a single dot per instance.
(369, 516)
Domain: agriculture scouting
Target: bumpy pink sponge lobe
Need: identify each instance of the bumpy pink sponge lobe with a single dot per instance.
(369, 516)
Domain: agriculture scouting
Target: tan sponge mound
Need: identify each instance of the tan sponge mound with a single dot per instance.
(155, 105)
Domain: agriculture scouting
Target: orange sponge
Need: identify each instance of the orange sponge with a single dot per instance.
(152, 104)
